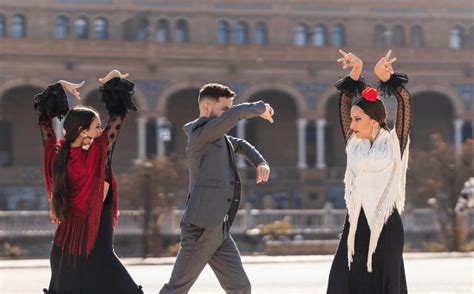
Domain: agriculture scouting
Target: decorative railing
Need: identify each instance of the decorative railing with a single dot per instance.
(305, 221)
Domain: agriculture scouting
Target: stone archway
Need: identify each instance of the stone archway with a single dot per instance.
(181, 108)
(432, 112)
(21, 122)
(278, 142)
(334, 139)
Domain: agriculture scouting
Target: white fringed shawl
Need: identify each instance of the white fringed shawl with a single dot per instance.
(374, 180)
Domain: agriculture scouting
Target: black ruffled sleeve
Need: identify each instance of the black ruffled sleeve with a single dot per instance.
(117, 96)
(396, 86)
(389, 87)
(349, 88)
(51, 103)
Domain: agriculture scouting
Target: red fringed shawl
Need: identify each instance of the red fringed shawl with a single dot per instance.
(76, 235)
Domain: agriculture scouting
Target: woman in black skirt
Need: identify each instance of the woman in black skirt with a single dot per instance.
(369, 257)
(82, 190)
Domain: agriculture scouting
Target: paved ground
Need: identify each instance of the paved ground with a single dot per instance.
(426, 274)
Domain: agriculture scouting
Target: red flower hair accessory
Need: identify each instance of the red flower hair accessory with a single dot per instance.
(370, 94)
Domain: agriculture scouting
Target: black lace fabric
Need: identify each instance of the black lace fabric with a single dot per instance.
(349, 88)
(117, 95)
(396, 86)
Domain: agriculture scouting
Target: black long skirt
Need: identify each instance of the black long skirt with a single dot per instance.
(101, 272)
(388, 272)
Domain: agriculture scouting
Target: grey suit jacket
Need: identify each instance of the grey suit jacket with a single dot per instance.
(210, 152)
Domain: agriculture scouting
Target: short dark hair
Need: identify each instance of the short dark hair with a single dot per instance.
(375, 110)
(214, 91)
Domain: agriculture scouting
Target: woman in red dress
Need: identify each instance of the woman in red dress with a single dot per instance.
(81, 187)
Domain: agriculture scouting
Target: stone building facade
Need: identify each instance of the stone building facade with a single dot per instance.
(283, 52)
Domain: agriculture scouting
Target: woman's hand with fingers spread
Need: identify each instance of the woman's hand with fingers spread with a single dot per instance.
(113, 74)
(384, 69)
(350, 60)
(72, 87)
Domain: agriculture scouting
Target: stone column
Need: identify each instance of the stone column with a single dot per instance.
(302, 123)
(161, 123)
(141, 125)
(458, 124)
(320, 139)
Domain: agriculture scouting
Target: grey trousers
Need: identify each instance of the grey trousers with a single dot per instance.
(200, 246)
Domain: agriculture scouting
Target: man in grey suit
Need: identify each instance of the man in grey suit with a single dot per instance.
(214, 191)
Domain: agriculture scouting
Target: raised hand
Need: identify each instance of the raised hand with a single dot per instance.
(72, 87)
(263, 173)
(268, 114)
(113, 74)
(349, 60)
(384, 69)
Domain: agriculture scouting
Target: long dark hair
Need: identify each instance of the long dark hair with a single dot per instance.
(375, 110)
(77, 120)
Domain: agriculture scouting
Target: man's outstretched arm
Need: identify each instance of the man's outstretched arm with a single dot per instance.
(218, 127)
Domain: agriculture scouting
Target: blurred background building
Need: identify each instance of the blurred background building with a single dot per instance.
(281, 51)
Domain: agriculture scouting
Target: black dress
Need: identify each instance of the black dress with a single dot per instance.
(100, 272)
(388, 275)
(388, 272)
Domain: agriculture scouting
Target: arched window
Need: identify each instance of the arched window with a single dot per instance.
(338, 36)
(101, 28)
(223, 32)
(380, 40)
(456, 38)
(242, 33)
(182, 31)
(320, 36)
(2, 26)
(19, 26)
(62, 27)
(261, 34)
(398, 36)
(81, 28)
(417, 37)
(471, 37)
(301, 35)
(163, 31)
(142, 31)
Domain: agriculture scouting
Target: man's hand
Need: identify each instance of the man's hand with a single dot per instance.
(268, 114)
(113, 74)
(71, 87)
(263, 173)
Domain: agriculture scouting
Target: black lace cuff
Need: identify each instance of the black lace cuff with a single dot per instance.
(396, 79)
(347, 84)
(52, 102)
(117, 96)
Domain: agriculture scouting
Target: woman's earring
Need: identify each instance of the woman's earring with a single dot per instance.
(374, 132)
